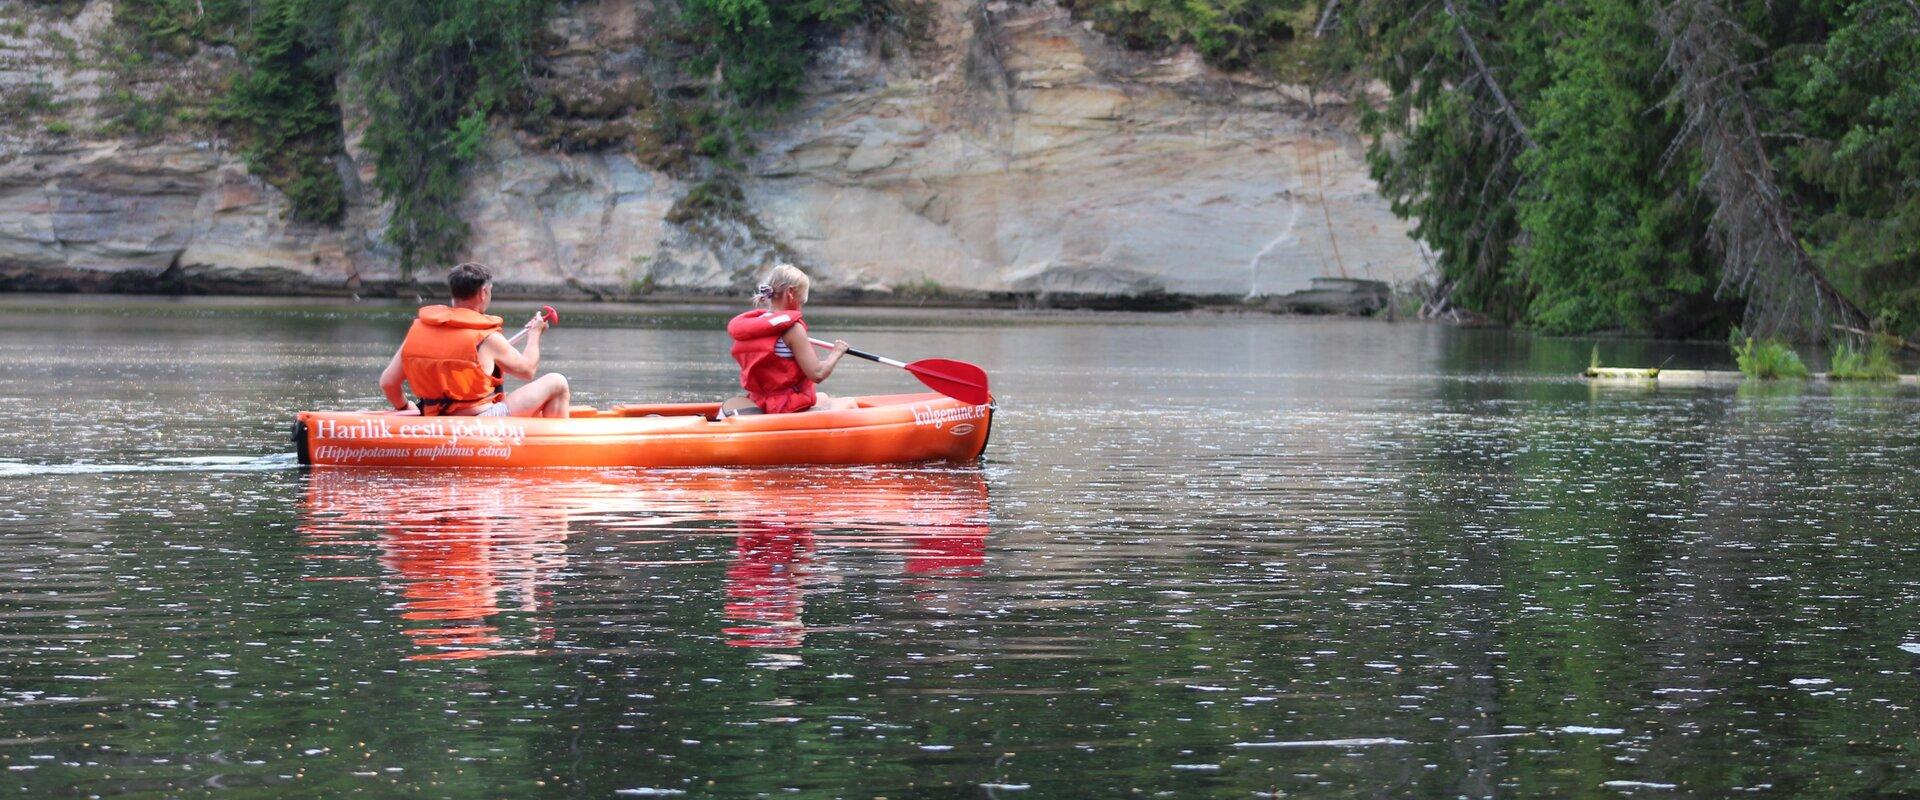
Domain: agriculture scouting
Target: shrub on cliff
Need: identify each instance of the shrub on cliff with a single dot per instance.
(753, 56)
(285, 104)
(1231, 34)
(281, 108)
(429, 73)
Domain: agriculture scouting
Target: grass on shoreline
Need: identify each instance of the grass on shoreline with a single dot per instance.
(1766, 359)
(1874, 362)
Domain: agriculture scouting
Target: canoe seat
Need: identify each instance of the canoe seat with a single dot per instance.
(665, 409)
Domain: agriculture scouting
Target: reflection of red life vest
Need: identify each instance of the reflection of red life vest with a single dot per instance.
(441, 359)
(954, 552)
(766, 587)
(773, 381)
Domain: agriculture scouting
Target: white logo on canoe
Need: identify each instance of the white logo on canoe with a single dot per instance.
(453, 429)
(939, 417)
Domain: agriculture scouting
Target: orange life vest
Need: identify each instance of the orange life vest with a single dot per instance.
(441, 359)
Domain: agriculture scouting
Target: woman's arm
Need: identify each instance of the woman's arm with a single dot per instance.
(810, 362)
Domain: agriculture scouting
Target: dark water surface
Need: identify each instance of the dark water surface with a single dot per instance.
(1204, 557)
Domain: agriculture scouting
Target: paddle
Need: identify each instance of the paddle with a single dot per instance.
(553, 318)
(956, 379)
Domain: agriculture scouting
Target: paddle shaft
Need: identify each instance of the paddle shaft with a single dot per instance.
(956, 379)
(861, 354)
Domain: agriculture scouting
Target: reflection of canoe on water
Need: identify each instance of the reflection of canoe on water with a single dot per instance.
(458, 553)
(884, 429)
(474, 558)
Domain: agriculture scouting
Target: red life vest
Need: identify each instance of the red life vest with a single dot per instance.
(441, 359)
(774, 382)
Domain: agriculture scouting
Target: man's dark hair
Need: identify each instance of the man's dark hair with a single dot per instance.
(468, 279)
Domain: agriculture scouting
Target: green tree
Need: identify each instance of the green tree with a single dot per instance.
(1568, 162)
(1445, 145)
(1858, 93)
(1612, 230)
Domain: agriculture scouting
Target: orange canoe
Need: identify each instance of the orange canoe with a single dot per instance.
(883, 429)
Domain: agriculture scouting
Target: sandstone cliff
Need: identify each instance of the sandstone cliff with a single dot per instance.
(1009, 150)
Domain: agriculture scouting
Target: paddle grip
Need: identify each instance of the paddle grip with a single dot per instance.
(553, 318)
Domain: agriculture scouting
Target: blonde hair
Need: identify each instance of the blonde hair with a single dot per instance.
(782, 278)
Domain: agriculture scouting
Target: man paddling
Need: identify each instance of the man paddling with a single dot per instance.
(454, 357)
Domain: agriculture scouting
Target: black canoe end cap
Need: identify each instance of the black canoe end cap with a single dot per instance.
(300, 451)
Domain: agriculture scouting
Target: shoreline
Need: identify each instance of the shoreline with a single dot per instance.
(1324, 295)
(658, 305)
(1372, 304)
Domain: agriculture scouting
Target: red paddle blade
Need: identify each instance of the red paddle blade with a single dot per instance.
(553, 317)
(956, 379)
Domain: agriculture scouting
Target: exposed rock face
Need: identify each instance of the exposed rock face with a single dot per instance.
(1033, 156)
(119, 216)
(82, 207)
(1010, 151)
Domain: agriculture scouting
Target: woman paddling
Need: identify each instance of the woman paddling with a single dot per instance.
(778, 367)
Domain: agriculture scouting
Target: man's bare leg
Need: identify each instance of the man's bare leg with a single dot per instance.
(545, 396)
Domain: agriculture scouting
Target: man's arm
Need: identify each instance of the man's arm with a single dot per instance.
(390, 380)
(521, 364)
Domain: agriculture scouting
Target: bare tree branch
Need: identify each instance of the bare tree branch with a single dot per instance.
(1326, 16)
(1480, 65)
(1787, 293)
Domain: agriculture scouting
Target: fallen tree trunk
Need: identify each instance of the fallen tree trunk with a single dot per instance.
(1887, 339)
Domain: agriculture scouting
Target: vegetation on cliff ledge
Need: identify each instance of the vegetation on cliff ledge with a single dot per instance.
(428, 74)
(1290, 40)
(431, 76)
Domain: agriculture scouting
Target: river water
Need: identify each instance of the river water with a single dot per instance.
(1203, 557)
